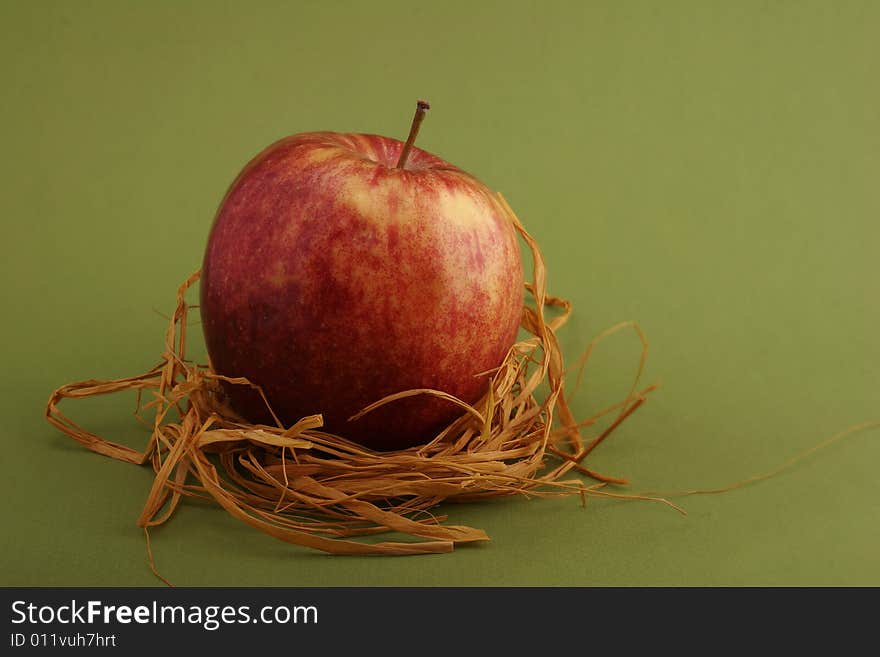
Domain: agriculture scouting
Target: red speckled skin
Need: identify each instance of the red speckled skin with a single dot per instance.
(332, 279)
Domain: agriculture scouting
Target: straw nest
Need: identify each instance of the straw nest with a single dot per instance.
(318, 490)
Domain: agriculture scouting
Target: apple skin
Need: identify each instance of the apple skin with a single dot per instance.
(332, 279)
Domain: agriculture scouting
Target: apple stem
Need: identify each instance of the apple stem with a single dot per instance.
(422, 108)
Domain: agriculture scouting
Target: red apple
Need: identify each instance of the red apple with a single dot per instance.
(342, 268)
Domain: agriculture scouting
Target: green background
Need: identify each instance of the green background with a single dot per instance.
(708, 169)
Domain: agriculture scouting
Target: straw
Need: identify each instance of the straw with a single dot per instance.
(318, 490)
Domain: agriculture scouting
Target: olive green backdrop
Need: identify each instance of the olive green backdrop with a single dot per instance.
(708, 169)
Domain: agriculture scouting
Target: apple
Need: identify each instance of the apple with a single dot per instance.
(342, 268)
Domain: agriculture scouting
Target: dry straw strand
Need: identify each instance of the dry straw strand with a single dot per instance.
(317, 490)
